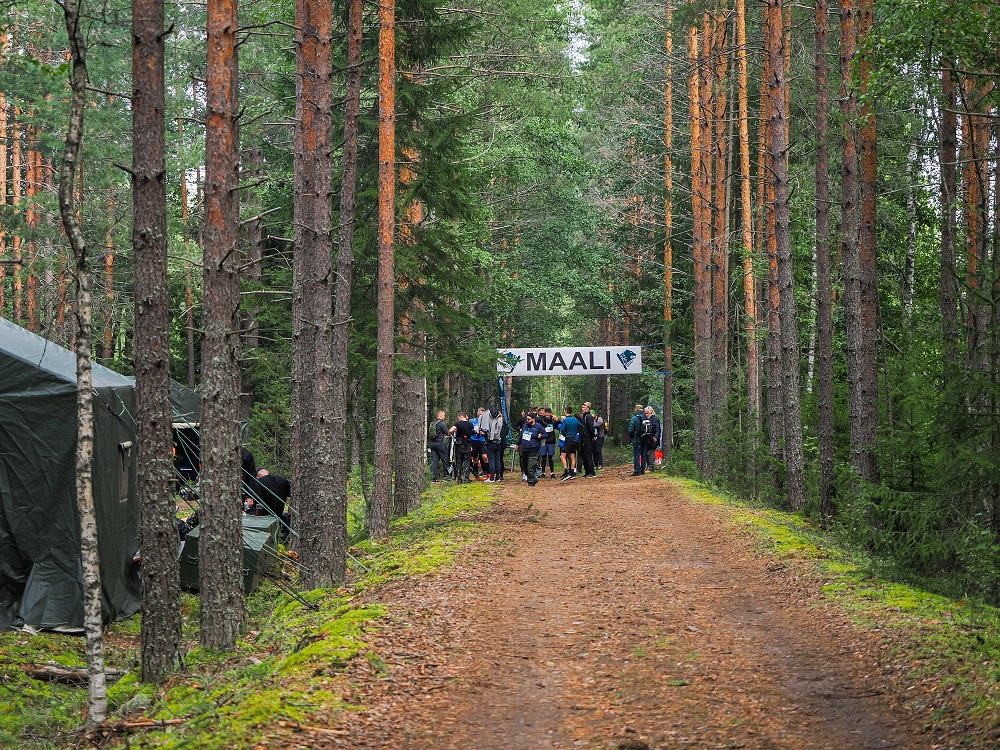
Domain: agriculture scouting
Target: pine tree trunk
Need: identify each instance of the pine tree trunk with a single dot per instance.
(109, 279)
(378, 510)
(775, 420)
(701, 252)
(161, 614)
(667, 443)
(342, 286)
(863, 448)
(824, 291)
(16, 188)
(720, 240)
(221, 549)
(746, 223)
(92, 622)
(411, 407)
(948, 165)
(312, 336)
(3, 187)
(777, 41)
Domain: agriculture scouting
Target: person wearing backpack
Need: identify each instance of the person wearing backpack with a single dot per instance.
(439, 447)
(491, 428)
(635, 432)
(652, 431)
(602, 433)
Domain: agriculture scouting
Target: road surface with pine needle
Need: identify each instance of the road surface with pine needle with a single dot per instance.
(617, 613)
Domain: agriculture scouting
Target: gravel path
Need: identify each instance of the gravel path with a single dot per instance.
(615, 613)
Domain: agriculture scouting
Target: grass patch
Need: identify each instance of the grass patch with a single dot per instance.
(288, 666)
(953, 646)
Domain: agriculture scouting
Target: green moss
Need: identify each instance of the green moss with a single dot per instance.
(956, 642)
(285, 667)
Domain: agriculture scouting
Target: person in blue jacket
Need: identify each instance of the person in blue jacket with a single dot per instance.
(569, 428)
(528, 443)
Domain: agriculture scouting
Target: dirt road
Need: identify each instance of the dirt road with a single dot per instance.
(617, 613)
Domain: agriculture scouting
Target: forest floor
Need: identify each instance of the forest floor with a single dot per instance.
(618, 612)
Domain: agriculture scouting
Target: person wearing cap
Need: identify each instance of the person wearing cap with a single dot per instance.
(588, 435)
(635, 432)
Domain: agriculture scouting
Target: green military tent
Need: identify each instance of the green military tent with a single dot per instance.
(40, 569)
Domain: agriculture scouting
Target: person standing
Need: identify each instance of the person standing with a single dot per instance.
(588, 436)
(547, 454)
(602, 433)
(569, 427)
(478, 451)
(462, 433)
(635, 433)
(491, 428)
(652, 431)
(528, 445)
(439, 447)
(275, 493)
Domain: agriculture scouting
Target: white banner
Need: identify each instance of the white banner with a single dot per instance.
(580, 360)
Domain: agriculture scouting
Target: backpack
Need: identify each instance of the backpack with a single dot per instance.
(648, 428)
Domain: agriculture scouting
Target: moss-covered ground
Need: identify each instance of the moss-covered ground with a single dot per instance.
(951, 646)
(288, 666)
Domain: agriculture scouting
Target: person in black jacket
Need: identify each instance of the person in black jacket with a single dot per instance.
(652, 432)
(588, 436)
(439, 447)
(462, 431)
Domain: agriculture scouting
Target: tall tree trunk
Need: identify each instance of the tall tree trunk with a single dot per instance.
(97, 709)
(667, 442)
(794, 462)
(866, 334)
(824, 291)
(948, 158)
(411, 409)
(221, 551)
(378, 510)
(32, 178)
(16, 188)
(775, 419)
(161, 614)
(342, 285)
(701, 252)
(109, 276)
(850, 224)
(746, 223)
(909, 268)
(312, 309)
(720, 240)
(3, 184)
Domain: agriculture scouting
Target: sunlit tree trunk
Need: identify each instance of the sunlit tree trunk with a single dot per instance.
(109, 280)
(97, 709)
(221, 550)
(161, 614)
(746, 224)
(824, 291)
(701, 251)
(720, 240)
(312, 308)
(378, 510)
(16, 191)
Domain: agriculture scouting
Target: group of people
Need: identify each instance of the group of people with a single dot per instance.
(476, 446)
(470, 447)
(579, 439)
(646, 432)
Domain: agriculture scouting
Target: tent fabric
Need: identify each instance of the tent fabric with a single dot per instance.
(260, 553)
(40, 569)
